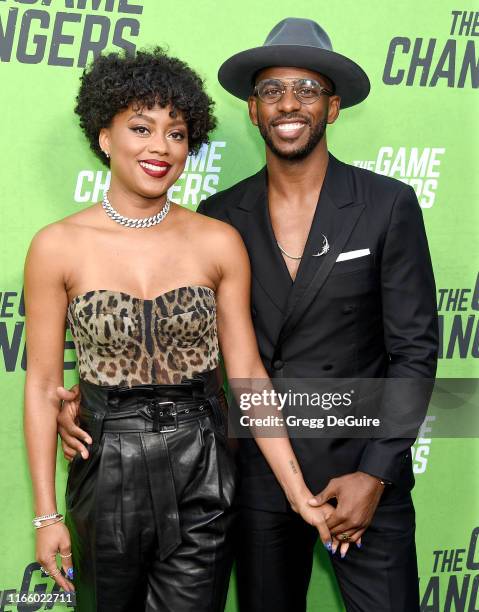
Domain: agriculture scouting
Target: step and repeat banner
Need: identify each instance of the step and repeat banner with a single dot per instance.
(420, 125)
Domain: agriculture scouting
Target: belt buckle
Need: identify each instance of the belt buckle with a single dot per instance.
(158, 414)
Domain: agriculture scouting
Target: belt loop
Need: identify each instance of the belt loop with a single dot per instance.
(216, 411)
(198, 389)
(112, 400)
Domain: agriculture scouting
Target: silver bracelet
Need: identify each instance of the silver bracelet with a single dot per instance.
(57, 520)
(38, 520)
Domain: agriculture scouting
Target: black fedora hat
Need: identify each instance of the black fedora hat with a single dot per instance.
(299, 43)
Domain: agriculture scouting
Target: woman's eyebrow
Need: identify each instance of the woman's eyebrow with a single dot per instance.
(141, 116)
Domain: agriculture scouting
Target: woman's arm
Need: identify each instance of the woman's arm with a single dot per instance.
(243, 363)
(45, 307)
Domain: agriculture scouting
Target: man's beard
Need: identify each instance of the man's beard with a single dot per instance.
(302, 152)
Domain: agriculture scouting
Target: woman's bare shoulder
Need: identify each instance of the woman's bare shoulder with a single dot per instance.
(60, 234)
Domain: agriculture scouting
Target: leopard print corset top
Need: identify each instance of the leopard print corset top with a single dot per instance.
(127, 341)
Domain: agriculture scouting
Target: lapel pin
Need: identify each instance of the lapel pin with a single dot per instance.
(324, 248)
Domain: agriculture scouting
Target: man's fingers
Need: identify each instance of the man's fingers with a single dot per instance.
(69, 456)
(345, 527)
(71, 446)
(68, 429)
(323, 496)
(68, 452)
(68, 395)
(336, 520)
(348, 527)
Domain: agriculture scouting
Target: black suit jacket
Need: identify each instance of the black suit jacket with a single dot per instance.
(373, 316)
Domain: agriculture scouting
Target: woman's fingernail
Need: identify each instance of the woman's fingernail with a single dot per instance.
(343, 554)
(358, 544)
(329, 545)
(70, 573)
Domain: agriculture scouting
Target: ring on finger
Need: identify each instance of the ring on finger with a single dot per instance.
(55, 573)
(65, 556)
(44, 571)
(344, 537)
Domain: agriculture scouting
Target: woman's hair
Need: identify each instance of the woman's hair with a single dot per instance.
(112, 82)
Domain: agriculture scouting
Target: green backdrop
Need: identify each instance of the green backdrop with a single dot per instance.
(419, 124)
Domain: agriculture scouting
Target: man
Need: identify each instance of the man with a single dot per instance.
(342, 287)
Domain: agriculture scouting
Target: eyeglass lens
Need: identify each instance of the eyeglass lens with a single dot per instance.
(305, 90)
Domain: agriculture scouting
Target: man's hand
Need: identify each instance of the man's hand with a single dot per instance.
(72, 436)
(358, 495)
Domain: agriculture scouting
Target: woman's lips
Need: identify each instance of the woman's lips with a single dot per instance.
(155, 169)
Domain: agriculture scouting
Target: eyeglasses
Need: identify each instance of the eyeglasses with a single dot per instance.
(306, 91)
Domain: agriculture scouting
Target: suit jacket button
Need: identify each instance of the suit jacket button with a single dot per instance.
(278, 364)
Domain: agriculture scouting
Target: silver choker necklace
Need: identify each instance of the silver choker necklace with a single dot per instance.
(323, 251)
(136, 223)
(287, 254)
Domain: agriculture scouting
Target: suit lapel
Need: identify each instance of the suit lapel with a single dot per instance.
(251, 218)
(336, 215)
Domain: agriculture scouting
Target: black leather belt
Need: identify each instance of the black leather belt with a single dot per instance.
(155, 415)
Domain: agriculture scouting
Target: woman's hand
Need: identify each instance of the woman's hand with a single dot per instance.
(319, 520)
(52, 540)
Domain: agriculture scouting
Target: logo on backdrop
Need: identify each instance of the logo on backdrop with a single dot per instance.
(422, 447)
(417, 167)
(199, 180)
(459, 321)
(423, 62)
(12, 335)
(66, 38)
(454, 583)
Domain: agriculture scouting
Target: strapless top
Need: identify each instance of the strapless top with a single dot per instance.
(127, 341)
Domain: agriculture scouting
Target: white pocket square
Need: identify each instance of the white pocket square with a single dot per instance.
(353, 254)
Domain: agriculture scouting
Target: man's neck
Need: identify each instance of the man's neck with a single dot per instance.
(295, 180)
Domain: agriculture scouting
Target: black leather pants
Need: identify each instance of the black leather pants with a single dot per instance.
(149, 511)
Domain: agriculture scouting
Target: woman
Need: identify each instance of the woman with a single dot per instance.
(148, 289)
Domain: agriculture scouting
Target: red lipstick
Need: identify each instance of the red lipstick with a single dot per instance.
(154, 167)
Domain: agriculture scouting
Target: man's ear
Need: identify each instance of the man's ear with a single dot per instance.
(253, 110)
(333, 108)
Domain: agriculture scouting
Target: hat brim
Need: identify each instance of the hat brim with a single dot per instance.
(236, 74)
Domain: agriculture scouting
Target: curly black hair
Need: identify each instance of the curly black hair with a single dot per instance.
(112, 82)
